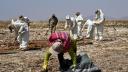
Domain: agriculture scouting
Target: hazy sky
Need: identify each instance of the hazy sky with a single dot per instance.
(42, 9)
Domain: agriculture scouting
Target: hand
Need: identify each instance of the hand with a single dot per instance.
(19, 33)
(22, 32)
(44, 70)
(44, 66)
(73, 67)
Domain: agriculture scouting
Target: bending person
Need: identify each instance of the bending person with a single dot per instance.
(90, 28)
(60, 43)
(71, 24)
(21, 30)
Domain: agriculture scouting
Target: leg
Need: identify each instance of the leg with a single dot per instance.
(54, 28)
(73, 44)
(100, 31)
(75, 33)
(46, 59)
(89, 31)
(92, 32)
(19, 40)
(96, 32)
(61, 60)
(25, 40)
(51, 29)
(79, 28)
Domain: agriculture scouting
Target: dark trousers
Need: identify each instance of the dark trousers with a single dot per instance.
(61, 60)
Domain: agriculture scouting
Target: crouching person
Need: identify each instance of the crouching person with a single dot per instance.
(60, 43)
(21, 30)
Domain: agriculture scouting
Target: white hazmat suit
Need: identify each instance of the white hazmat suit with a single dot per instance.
(22, 32)
(90, 28)
(27, 20)
(79, 20)
(71, 23)
(99, 20)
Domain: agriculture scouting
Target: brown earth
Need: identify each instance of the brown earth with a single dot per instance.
(111, 54)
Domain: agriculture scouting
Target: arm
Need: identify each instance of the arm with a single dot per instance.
(84, 26)
(10, 27)
(80, 19)
(66, 25)
(46, 59)
(21, 30)
(74, 23)
(73, 56)
(49, 20)
(98, 21)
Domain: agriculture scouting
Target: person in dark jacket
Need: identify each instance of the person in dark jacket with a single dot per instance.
(52, 24)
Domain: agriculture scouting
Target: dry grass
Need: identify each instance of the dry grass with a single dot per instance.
(44, 24)
(4, 24)
(110, 54)
(123, 23)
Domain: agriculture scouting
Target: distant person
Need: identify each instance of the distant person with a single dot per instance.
(79, 21)
(21, 30)
(27, 20)
(90, 29)
(60, 43)
(71, 24)
(52, 23)
(99, 24)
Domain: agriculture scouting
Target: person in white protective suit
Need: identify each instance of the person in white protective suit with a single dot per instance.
(27, 20)
(99, 20)
(71, 24)
(79, 21)
(90, 28)
(21, 31)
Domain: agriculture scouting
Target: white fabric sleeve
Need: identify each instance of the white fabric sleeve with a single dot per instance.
(66, 25)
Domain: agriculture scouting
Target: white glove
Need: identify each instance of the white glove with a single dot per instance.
(73, 67)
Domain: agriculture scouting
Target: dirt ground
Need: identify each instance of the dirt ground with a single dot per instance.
(110, 55)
